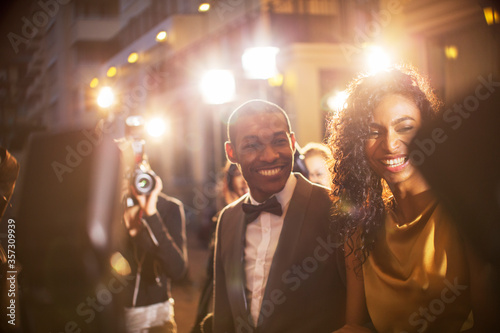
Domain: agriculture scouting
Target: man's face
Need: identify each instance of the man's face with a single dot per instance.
(263, 149)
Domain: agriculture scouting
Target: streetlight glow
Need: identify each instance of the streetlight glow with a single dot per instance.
(276, 81)
(204, 7)
(106, 97)
(491, 15)
(111, 71)
(133, 57)
(260, 62)
(451, 52)
(161, 36)
(217, 86)
(94, 83)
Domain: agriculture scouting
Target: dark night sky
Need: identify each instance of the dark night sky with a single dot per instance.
(11, 12)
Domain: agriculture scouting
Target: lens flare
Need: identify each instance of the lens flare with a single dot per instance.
(120, 264)
(156, 127)
(260, 62)
(337, 102)
(217, 86)
(377, 59)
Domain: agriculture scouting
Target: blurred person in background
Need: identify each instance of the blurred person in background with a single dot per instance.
(316, 158)
(155, 249)
(233, 184)
(408, 267)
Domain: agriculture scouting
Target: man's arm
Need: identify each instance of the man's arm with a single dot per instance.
(223, 317)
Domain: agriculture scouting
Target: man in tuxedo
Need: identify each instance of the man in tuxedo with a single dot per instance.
(277, 268)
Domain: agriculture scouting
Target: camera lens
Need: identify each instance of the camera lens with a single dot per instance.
(144, 183)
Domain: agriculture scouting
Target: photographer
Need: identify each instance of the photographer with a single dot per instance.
(155, 248)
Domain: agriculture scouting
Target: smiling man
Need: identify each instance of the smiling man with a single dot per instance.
(276, 267)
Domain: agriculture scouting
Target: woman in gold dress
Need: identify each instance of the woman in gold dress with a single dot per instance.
(408, 267)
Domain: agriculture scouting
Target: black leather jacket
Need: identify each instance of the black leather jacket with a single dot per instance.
(157, 254)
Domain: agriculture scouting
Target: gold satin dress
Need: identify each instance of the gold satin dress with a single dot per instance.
(417, 279)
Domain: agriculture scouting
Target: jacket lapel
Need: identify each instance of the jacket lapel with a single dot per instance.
(289, 237)
(236, 279)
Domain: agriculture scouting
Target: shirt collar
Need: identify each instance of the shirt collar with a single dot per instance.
(285, 195)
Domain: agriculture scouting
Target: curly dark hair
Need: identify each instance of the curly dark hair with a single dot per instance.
(360, 196)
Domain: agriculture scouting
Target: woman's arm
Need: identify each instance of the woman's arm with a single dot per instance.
(356, 311)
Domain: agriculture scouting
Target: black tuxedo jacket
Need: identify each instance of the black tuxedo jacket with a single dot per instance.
(305, 290)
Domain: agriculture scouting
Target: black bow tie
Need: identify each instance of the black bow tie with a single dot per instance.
(271, 205)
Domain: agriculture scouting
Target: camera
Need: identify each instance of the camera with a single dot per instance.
(142, 177)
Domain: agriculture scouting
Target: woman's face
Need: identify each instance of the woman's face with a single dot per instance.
(395, 122)
(318, 170)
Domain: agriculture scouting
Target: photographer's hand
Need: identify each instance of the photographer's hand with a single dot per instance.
(148, 203)
(132, 220)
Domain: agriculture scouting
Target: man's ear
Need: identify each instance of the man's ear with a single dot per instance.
(230, 155)
(292, 139)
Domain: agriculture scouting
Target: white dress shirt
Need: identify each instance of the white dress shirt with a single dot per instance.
(261, 239)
